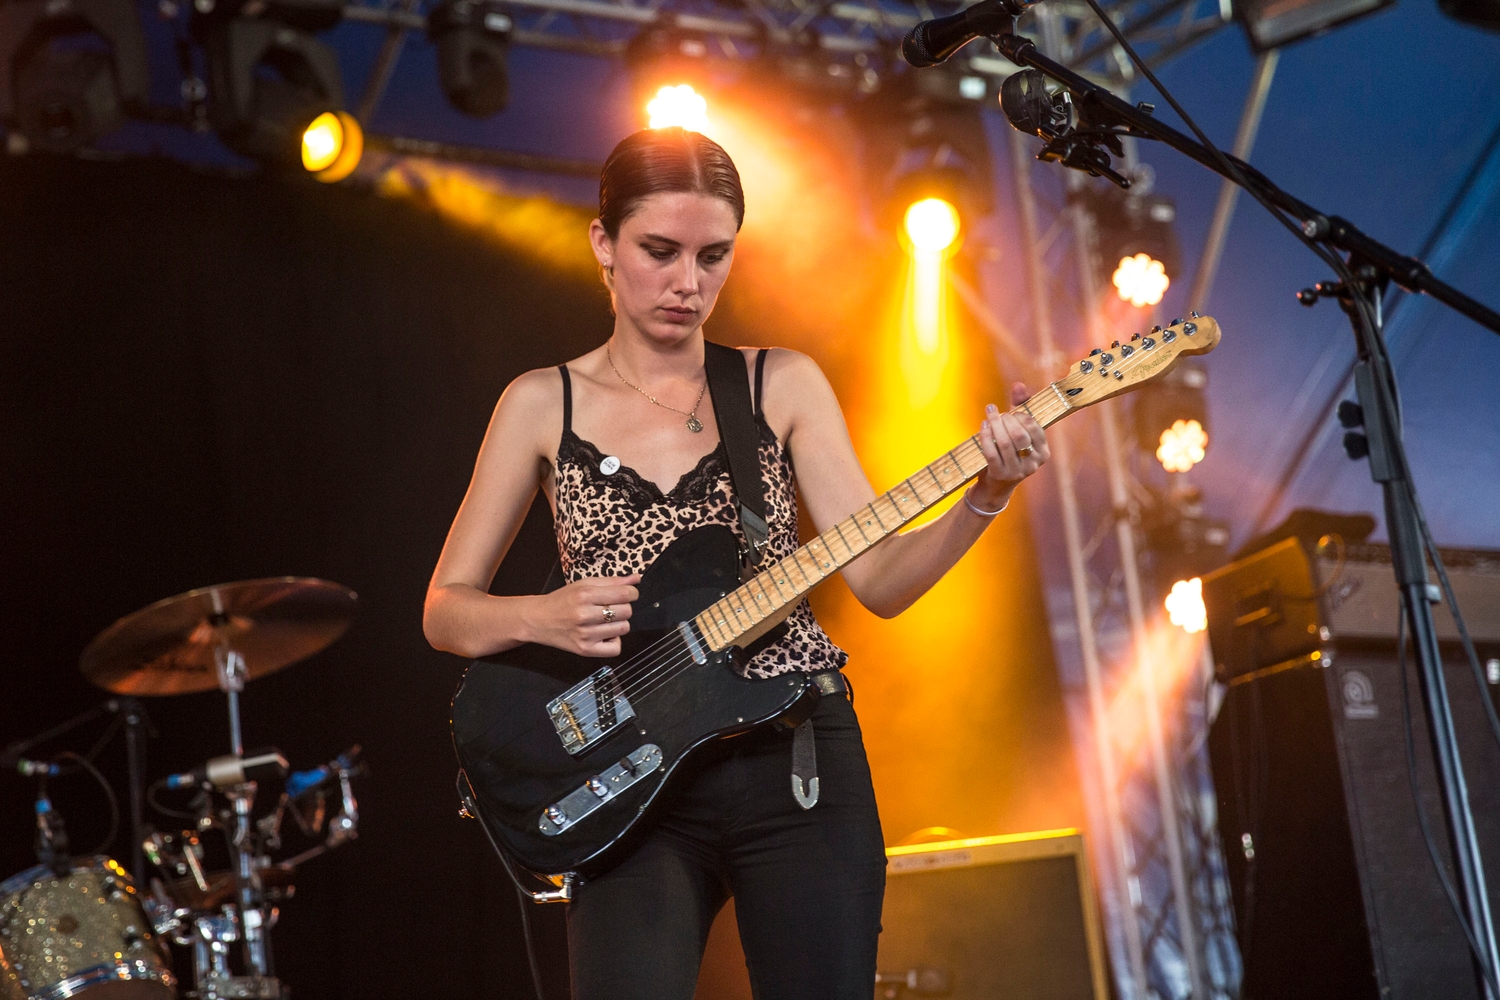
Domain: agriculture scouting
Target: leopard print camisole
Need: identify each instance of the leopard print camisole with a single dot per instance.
(615, 524)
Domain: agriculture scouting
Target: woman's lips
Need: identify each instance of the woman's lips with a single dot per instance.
(678, 315)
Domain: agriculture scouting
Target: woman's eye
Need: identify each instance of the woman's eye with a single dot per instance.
(711, 259)
(659, 253)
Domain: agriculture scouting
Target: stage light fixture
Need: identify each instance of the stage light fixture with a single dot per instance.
(473, 43)
(1185, 607)
(1137, 243)
(1171, 416)
(270, 81)
(332, 146)
(678, 106)
(1141, 280)
(70, 70)
(1182, 445)
(931, 225)
(1271, 24)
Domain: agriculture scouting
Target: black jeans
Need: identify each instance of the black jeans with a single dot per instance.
(807, 884)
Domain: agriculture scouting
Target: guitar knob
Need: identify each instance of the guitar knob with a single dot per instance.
(556, 815)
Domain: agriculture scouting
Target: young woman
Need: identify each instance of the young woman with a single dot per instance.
(623, 441)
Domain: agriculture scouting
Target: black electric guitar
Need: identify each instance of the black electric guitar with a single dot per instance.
(566, 755)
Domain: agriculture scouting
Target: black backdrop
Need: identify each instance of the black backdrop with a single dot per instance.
(205, 379)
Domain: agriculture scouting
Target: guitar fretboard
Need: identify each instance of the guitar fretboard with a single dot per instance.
(766, 596)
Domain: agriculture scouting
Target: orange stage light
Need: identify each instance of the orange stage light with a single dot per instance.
(1185, 606)
(332, 145)
(1141, 280)
(931, 226)
(1182, 446)
(678, 106)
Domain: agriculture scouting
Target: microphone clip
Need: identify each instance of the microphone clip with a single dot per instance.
(1071, 139)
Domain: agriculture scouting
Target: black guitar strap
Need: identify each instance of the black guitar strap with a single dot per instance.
(735, 413)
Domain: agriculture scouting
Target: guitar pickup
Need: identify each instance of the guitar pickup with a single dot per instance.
(589, 711)
(599, 789)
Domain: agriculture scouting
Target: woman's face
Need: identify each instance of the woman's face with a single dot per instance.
(670, 260)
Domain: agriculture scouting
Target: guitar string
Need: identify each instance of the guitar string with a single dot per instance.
(647, 678)
(639, 683)
(666, 666)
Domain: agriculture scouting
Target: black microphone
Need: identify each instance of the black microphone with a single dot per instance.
(932, 42)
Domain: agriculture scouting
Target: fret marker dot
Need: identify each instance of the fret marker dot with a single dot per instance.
(610, 465)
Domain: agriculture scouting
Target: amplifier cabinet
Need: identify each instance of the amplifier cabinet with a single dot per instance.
(1011, 917)
(1335, 893)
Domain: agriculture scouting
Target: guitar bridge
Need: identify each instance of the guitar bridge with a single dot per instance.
(589, 711)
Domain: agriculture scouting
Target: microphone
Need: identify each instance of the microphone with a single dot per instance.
(230, 770)
(37, 768)
(933, 41)
(299, 783)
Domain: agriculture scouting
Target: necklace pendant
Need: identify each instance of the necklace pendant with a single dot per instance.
(694, 424)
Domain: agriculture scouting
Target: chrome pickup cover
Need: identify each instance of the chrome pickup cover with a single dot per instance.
(582, 717)
(599, 789)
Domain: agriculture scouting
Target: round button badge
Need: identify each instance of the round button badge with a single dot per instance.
(610, 466)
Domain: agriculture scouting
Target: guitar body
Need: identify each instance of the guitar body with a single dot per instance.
(597, 742)
(566, 755)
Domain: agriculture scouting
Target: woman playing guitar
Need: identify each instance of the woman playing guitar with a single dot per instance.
(623, 442)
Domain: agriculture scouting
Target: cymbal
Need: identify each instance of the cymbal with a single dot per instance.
(171, 647)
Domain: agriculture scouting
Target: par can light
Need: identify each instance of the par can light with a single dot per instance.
(931, 225)
(332, 146)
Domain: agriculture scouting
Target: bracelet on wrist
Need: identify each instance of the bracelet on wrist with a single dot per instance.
(983, 513)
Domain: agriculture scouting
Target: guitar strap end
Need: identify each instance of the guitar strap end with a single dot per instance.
(805, 765)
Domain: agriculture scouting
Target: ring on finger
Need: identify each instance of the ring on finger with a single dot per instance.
(1023, 452)
(609, 613)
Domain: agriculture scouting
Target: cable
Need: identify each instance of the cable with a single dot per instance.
(1458, 619)
(523, 897)
(160, 785)
(1416, 801)
(109, 793)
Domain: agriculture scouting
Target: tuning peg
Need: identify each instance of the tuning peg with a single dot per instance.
(1194, 315)
(1176, 321)
(1156, 329)
(1114, 343)
(1097, 350)
(1135, 337)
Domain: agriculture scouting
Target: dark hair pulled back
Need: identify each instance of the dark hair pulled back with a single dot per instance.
(652, 161)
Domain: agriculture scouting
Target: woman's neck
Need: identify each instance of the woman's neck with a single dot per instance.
(645, 361)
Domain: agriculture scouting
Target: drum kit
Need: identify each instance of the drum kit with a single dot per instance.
(85, 925)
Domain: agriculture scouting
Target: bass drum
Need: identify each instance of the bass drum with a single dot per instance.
(86, 933)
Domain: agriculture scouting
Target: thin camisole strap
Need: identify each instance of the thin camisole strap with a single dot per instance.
(567, 399)
(760, 373)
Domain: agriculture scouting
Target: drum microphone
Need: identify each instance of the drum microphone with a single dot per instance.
(230, 770)
(934, 40)
(299, 783)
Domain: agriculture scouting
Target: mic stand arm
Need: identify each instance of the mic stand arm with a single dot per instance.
(1104, 108)
(1373, 265)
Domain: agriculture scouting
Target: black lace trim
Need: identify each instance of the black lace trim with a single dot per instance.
(640, 492)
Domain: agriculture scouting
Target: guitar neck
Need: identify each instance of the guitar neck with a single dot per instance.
(762, 602)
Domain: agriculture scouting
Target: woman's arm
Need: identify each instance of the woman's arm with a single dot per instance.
(891, 577)
(459, 616)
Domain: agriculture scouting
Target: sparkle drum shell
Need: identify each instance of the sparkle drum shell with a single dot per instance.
(84, 934)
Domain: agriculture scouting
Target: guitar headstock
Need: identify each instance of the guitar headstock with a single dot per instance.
(1122, 367)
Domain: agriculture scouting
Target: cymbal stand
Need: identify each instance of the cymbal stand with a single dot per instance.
(254, 928)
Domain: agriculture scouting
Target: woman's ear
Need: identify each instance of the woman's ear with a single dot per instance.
(603, 246)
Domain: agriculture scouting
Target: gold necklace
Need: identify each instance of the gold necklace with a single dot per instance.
(693, 423)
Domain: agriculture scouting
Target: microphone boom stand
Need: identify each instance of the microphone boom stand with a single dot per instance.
(1374, 265)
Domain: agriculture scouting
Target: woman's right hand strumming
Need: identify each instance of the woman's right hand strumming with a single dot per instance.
(587, 617)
